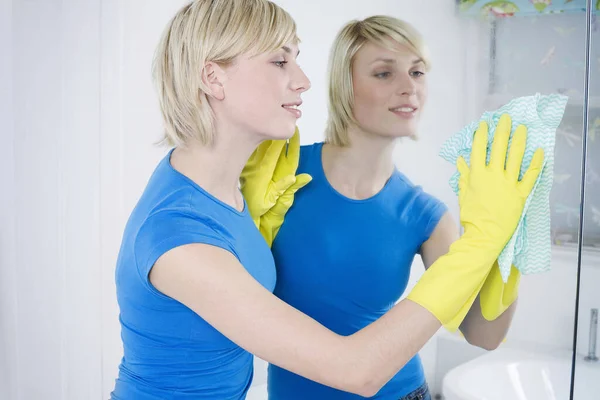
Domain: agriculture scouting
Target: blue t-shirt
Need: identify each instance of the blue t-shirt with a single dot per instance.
(169, 351)
(346, 262)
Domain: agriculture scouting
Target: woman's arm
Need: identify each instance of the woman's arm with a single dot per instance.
(211, 282)
(477, 330)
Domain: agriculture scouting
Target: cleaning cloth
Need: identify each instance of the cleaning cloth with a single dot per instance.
(529, 249)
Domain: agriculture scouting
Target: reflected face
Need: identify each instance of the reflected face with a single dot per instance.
(263, 93)
(390, 89)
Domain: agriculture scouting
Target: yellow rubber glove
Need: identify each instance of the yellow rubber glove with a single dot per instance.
(491, 200)
(269, 182)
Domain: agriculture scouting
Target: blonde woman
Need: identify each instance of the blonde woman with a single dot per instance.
(360, 222)
(195, 277)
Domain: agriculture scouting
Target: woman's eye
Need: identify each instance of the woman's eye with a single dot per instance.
(382, 75)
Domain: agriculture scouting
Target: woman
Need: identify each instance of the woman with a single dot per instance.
(194, 276)
(360, 222)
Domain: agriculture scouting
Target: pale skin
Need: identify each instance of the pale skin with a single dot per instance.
(212, 282)
(383, 80)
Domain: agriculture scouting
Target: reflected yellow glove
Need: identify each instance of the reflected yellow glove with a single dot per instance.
(491, 200)
(269, 182)
(273, 219)
(496, 296)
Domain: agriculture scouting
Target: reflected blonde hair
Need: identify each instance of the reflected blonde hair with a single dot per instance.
(377, 29)
(210, 31)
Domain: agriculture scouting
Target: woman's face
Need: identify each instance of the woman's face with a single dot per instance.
(262, 93)
(390, 89)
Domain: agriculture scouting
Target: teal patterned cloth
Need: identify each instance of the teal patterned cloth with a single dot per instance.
(529, 249)
(521, 7)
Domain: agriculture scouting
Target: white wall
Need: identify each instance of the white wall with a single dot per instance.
(8, 297)
(85, 116)
(56, 92)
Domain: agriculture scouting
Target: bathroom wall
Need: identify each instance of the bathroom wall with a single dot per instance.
(54, 324)
(8, 319)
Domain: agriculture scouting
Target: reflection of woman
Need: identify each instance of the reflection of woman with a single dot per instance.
(344, 253)
(194, 276)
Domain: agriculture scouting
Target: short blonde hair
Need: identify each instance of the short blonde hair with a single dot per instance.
(350, 39)
(205, 31)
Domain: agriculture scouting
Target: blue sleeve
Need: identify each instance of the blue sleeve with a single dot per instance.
(171, 228)
(431, 211)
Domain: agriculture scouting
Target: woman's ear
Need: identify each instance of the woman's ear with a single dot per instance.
(213, 77)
